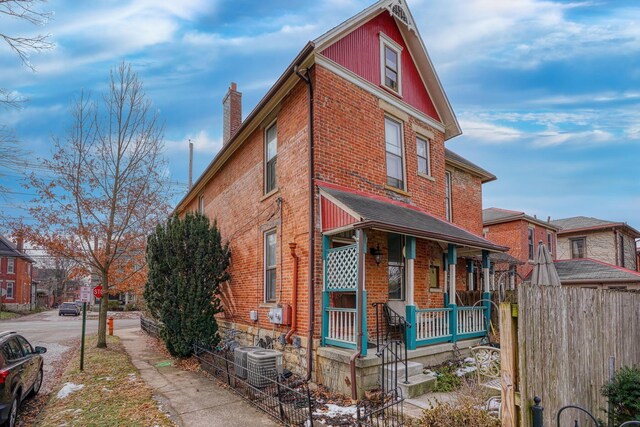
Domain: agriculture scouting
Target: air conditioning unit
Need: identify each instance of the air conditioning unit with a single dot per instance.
(240, 359)
(263, 365)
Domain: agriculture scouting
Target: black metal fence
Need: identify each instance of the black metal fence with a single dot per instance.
(288, 400)
(389, 412)
(150, 326)
(573, 421)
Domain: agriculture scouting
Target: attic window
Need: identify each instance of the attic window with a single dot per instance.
(390, 64)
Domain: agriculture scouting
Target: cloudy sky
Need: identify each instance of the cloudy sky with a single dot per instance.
(547, 92)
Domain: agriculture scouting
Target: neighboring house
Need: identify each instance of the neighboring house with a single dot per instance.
(521, 233)
(355, 191)
(15, 275)
(590, 273)
(607, 241)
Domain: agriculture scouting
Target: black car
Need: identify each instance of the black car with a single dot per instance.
(20, 374)
(68, 308)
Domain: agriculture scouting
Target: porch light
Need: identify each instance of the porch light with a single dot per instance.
(377, 254)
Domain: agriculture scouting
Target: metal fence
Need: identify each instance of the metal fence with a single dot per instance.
(150, 326)
(288, 400)
(571, 418)
(387, 413)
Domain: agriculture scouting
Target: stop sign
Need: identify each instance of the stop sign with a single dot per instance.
(97, 291)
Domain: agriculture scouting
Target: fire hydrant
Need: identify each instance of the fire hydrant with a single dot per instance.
(110, 325)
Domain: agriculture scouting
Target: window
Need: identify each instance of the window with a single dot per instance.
(578, 248)
(201, 204)
(271, 158)
(11, 265)
(434, 276)
(396, 267)
(390, 68)
(530, 232)
(270, 245)
(393, 143)
(621, 251)
(11, 350)
(423, 148)
(10, 286)
(26, 347)
(550, 242)
(447, 196)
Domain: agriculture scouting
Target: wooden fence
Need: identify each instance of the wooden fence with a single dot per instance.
(565, 339)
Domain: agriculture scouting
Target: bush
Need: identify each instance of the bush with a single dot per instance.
(114, 306)
(130, 307)
(466, 411)
(447, 379)
(624, 395)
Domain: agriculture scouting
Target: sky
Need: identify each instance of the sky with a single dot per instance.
(547, 92)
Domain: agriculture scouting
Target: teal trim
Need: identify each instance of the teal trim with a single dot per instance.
(325, 317)
(452, 254)
(446, 298)
(326, 243)
(410, 247)
(342, 344)
(486, 296)
(411, 331)
(471, 335)
(433, 310)
(470, 266)
(431, 341)
(453, 322)
(485, 259)
(365, 333)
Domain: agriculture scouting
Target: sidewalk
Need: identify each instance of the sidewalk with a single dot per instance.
(190, 398)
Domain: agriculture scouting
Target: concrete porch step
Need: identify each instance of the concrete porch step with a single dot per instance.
(414, 368)
(418, 385)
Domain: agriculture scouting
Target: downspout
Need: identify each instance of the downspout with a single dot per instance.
(294, 294)
(312, 221)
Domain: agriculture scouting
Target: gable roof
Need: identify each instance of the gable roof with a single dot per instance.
(492, 216)
(459, 161)
(590, 270)
(580, 223)
(375, 211)
(8, 249)
(404, 19)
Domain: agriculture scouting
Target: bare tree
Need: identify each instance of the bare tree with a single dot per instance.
(110, 187)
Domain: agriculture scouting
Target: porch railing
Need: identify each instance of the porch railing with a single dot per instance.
(432, 324)
(471, 320)
(342, 325)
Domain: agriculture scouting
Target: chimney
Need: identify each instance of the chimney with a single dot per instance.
(232, 113)
(20, 243)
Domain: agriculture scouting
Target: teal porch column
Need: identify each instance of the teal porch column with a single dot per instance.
(452, 256)
(326, 241)
(365, 333)
(410, 254)
(486, 295)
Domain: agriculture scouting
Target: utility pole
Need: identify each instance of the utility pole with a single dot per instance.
(190, 164)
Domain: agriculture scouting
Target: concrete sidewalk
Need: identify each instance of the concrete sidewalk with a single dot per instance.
(190, 398)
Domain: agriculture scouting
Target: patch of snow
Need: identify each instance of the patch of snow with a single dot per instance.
(69, 388)
(132, 377)
(337, 410)
(106, 378)
(465, 370)
(106, 390)
(470, 360)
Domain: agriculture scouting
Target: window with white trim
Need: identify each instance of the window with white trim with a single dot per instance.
(424, 162)
(550, 241)
(271, 158)
(393, 146)
(447, 196)
(395, 243)
(10, 287)
(530, 233)
(11, 265)
(390, 65)
(201, 204)
(270, 246)
(578, 247)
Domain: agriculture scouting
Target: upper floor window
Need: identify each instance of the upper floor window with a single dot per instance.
(578, 247)
(447, 196)
(270, 247)
(390, 68)
(396, 266)
(530, 233)
(201, 204)
(395, 161)
(621, 251)
(424, 163)
(550, 242)
(271, 158)
(11, 265)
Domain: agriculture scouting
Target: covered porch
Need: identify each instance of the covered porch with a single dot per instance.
(394, 271)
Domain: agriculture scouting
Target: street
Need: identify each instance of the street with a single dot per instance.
(54, 332)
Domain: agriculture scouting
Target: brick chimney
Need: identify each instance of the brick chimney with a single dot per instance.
(20, 243)
(232, 113)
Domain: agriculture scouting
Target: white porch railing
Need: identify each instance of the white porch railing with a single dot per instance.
(471, 320)
(342, 324)
(432, 323)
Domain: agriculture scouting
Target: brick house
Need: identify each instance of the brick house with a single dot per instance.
(607, 241)
(521, 233)
(337, 192)
(15, 275)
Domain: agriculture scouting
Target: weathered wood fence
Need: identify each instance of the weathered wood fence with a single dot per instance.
(565, 339)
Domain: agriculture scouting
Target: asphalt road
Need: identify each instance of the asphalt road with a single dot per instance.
(55, 332)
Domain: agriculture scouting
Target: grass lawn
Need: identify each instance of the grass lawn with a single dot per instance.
(113, 392)
(5, 315)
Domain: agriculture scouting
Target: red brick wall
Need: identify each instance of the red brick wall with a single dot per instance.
(466, 200)
(21, 279)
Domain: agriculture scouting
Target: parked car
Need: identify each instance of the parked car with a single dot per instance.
(68, 308)
(20, 374)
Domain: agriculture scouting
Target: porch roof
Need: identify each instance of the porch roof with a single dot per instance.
(376, 212)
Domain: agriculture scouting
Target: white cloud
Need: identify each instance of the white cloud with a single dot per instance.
(552, 138)
(489, 132)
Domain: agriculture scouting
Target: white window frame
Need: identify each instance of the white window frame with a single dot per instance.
(268, 190)
(550, 242)
(11, 265)
(584, 247)
(13, 289)
(201, 204)
(531, 245)
(448, 196)
(386, 41)
(269, 267)
(403, 271)
(427, 142)
(400, 123)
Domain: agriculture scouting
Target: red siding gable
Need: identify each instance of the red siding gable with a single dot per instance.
(333, 216)
(359, 51)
